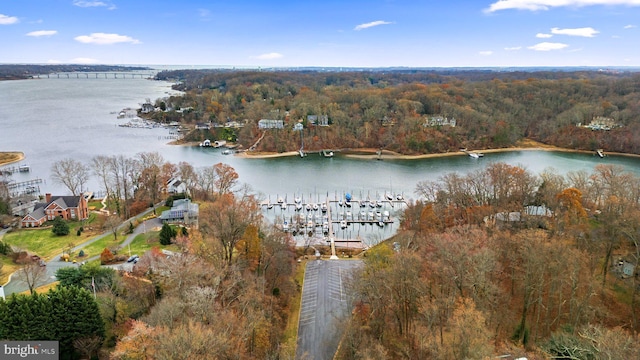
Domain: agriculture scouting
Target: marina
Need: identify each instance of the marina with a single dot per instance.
(341, 221)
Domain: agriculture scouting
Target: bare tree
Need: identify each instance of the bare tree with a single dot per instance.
(101, 168)
(33, 273)
(70, 173)
(111, 224)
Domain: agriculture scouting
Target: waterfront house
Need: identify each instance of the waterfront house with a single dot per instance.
(176, 186)
(440, 121)
(66, 207)
(270, 124)
(183, 211)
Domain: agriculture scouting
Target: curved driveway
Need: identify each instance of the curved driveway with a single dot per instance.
(17, 285)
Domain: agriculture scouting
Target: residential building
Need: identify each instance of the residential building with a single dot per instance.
(176, 186)
(440, 121)
(183, 211)
(270, 124)
(66, 207)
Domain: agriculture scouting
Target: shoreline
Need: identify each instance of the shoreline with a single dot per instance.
(10, 157)
(371, 154)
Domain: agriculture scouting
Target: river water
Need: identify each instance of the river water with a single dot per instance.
(52, 119)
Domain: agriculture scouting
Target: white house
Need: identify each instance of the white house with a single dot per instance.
(176, 186)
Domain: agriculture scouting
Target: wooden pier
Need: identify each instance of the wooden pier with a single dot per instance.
(24, 187)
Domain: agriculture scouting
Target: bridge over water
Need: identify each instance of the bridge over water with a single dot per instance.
(97, 75)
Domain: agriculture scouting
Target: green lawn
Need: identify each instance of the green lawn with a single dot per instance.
(96, 248)
(44, 243)
(140, 244)
(95, 205)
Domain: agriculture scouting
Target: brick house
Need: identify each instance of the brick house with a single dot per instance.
(66, 207)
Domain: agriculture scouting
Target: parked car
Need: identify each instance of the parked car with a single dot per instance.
(133, 259)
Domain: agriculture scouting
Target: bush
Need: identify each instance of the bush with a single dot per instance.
(78, 233)
(106, 257)
(5, 248)
(166, 234)
(60, 227)
(81, 253)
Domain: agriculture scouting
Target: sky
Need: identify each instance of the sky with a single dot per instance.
(322, 33)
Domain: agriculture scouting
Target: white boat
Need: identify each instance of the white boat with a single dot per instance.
(326, 153)
(323, 207)
(315, 207)
(226, 152)
(206, 143)
(283, 206)
(298, 206)
(24, 168)
(285, 227)
(343, 224)
(297, 200)
(600, 153)
(474, 155)
(399, 197)
(388, 196)
(308, 207)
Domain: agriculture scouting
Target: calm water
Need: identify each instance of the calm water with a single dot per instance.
(51, 119)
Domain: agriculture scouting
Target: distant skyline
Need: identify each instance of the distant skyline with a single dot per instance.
(346, 33)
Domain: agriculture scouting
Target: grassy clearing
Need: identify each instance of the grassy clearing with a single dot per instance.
(8, 267)
(44, 243)
(290, 340)
(95, 205)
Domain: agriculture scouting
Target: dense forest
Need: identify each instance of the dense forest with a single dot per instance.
(502, 261)
(390, 110)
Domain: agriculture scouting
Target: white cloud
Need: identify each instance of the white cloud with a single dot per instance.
(87, 4)
(513, 48)
(269, 56)
(629, 26)
(547, 46)
(543, 36)
(536, 5)
(584, 32)
(82, 60)
(105, 39)
(40, 33)
(371, 24)
(485, 53)
(53, 61)
(204, 13)
(8, 20)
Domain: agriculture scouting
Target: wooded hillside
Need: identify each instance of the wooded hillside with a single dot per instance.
(390, 110)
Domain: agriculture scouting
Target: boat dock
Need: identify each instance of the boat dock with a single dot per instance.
(24, 187)
(9, 170)
(324, 219)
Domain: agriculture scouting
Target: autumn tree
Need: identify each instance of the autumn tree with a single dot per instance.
(226, 219)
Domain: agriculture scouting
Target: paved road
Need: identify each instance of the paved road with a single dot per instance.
(16, 284)
(325, 304)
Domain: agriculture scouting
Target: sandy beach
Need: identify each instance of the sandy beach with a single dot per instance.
(10, 157)
(371, 154)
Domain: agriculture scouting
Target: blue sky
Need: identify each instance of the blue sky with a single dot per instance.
(332, 33)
